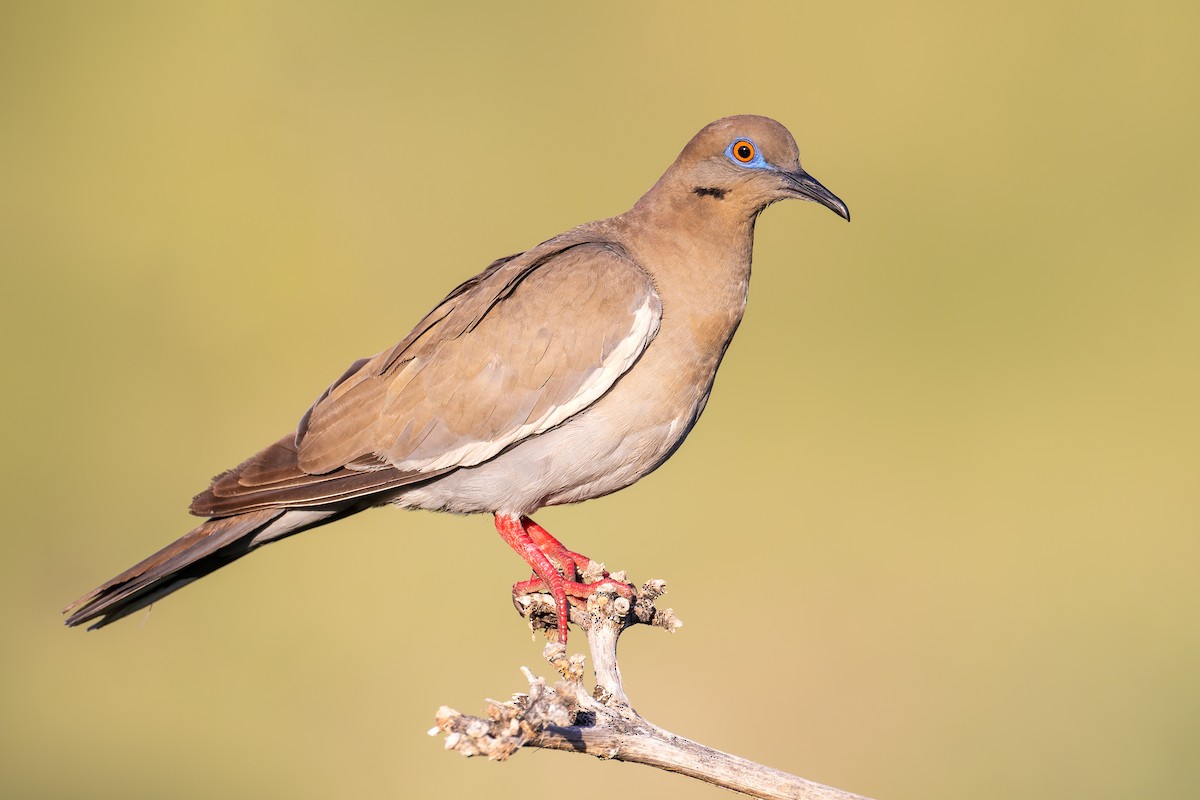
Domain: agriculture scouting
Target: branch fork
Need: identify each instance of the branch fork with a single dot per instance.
(601, 721)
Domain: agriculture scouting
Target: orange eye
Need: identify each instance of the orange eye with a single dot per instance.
(743, 151)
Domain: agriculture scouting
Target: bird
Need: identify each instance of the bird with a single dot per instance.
(556, 375)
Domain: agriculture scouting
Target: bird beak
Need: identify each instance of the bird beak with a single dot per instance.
(801, 184)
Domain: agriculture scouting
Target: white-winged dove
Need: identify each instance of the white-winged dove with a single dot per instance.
(556, 375)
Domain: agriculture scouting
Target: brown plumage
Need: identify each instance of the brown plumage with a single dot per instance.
(559, 374)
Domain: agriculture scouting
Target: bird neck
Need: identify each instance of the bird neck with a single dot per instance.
(698, 253)
(697, 239)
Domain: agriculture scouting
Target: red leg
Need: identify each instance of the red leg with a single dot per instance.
(568, 563)
(531, 541)
(565, 559)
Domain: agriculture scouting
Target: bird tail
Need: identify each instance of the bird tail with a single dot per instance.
(210, 546)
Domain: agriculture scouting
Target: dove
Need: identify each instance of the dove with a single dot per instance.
(556, 375)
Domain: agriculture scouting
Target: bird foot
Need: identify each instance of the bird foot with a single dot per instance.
(555, 568)
(604, 610)
(593, 578)
(577, 593)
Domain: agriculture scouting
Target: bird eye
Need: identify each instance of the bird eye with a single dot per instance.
(743, 151)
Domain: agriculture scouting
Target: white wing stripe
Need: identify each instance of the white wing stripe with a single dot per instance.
(620, 359)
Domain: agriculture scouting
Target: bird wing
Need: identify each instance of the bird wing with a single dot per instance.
(511, 353)
(517, 353)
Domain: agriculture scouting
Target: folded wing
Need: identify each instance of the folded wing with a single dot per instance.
(511, 353)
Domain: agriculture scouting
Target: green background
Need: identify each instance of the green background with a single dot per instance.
(936, 536)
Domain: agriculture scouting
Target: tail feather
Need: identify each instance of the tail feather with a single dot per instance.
(210, 546)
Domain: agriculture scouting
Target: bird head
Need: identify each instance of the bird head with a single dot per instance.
(746, 162)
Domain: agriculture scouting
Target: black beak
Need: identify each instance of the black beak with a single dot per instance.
(804, 185)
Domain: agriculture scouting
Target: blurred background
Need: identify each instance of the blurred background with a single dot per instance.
(951, 461)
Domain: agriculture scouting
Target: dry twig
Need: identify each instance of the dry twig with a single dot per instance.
(602, 722)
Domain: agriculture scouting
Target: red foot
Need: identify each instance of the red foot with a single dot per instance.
(547, 556)
(569, 563)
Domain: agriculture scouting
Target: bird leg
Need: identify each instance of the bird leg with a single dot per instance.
(547, 556)
(568, 562)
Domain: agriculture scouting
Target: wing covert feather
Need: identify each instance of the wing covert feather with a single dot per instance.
(510, 354)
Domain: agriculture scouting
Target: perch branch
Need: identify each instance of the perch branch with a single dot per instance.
(602, 722)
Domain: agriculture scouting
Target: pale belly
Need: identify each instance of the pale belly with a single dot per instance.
(588, 456)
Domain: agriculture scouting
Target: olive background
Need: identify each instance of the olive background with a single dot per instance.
(935, 537)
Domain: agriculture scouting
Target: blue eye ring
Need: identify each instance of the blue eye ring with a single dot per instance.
(744, 153)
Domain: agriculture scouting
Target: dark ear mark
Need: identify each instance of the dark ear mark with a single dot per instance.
(710, 191)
